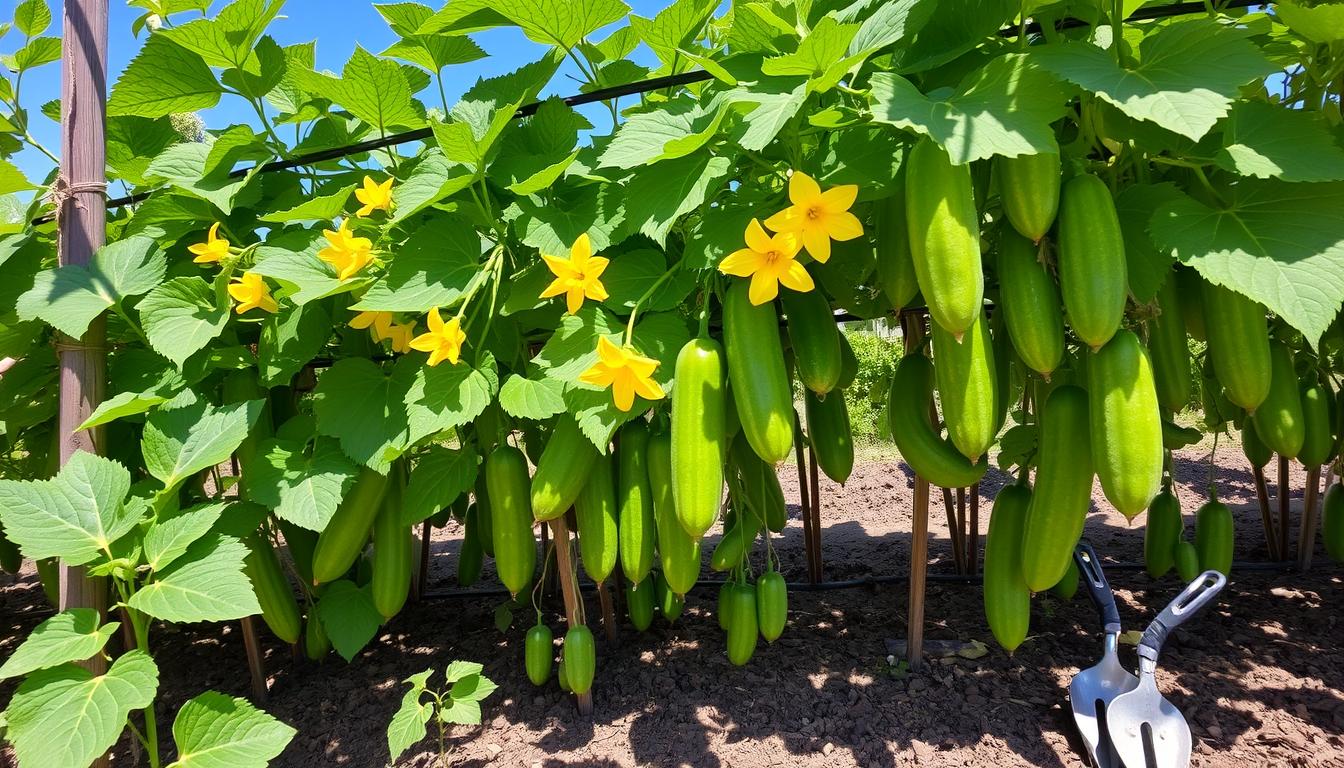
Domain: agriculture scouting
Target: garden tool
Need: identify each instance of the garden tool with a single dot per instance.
(1146, 730)
(1093, 689)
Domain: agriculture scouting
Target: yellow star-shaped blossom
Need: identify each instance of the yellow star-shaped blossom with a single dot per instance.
(378, 323)
(768, 260)
(818, 217)
(577, 276)
(625, 371)
(213, 249)
(374, 196)
(444, 340)
(346, 253)
(401, 335)
(251, 292)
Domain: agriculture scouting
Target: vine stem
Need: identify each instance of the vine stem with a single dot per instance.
(488, 266)
(634, 312)
(134, 326)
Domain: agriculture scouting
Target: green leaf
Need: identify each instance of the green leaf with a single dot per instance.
(755, 27)
(462, 712)
(1004, 108)
(534, 156)
(374, 90)
(1280, 244)
(32, 17)
(163, 79)
(674, 27)
(1188, 73)
(470, 687)
(65, 716)
(676, 130)
(657, 196)
(572, 349)
(364, 409)
(349, 616)
(531, 399)
(71, 296)
(560, 24)
(408, 724)
(37, 52)
(71, 635)
(440, 476)
(720, 231)
(823, 46)
(320, 208)
(1265, 141)
(291, 260)
(218, 731)
(431, 269)
(181, 316)
(206, 583)
(179, 442)
(1148, 266)
(443, 396)
(1320, 23)
(924, 34)
(74, 516)
(228, 39)
(125, 404)
(433, 179)
(185, 167)
(12, 179)
(766, 107)
(302, 484)
(553, 225)
(289, 339)
(232, 146)
(132, 142)
(170, 537)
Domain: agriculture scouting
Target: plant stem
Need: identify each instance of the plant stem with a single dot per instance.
(134, 326)
(140, 623)
(634, 312)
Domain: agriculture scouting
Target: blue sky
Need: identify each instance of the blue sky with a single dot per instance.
(337, 25)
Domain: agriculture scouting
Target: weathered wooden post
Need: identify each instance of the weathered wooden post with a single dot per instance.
(913, 327)
(80, 195)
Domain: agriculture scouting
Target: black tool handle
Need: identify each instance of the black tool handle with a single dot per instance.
(1195, 596)
(1089, 569)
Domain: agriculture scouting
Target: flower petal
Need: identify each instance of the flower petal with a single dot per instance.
(796, 278)
(598, 376)
(596, 291)
(843, 226)
(837, 199)
(818, 244)
(611, 355)
(741, 263)
(803, 191)
(425, 342)
(581, 250)
(764, 287)
(435, 321)
(756, 238)
(595, 266)
(574, 299)
(558, 266)
(623, 392)
(649, 389)
(790, 219)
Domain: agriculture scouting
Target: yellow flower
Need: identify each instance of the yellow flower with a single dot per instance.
(444, 340)
(346, 253)
(768, 261)
(213, 249)
(250, 291)
(578, 276)
(378, 323)
(818, 217)
(374, 196)
(401, 335)
(626, 372)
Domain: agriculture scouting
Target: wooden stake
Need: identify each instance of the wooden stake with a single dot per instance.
(421, 581)
(919, 534)
(975, 529)
(1266, 519)
(804, 498)
(1285, 544)
(954, 532)
(1306, 537)
(81, 199)
(569, 587)
(256, 662)
(816, 515)
(608, 612)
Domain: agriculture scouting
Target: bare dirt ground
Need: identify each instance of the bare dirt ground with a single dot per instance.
(1259, 675)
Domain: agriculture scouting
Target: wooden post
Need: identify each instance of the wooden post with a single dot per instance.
(1266, 520)
(80, 196)
(1306, 537)
(1284, 507)
(256, 665)
(421, 582)
(569, 586)
(975, 529)
(816, 514)
(919, 535)
(608, 612)
(954, 532)
(804, 498)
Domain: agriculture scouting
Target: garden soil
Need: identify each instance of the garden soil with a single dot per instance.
(1259, 675)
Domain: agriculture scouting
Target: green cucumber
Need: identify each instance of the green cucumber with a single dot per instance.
(966, 378)
(637, 529)
(1030, 302)
(639, 603)
(595, 510)
(895, 266)
(678, 552)
(1170, 350)
(932, 457)
(539, 653)
(1126, 423)
(1029, 189)
(761, 485)
(1257, 453)
(562, 469)
(275, 595)
(828, 429)
(339, 544)
(1238, 339)
(699, 443)
(743, 627)
(471, 556)
(943, 225)
(1063, 490)
(756, 370)
(849, 364)
(392, 561)
(1214, 537)
(580, 659)
(738, 536)
(1187, 561)
(1067, 586)
(515, 547)
(1318, 443)
(1007, 598)
(1278, 419)
(1160, 536)
(772, 605)
(1092, 274)
(815, 339)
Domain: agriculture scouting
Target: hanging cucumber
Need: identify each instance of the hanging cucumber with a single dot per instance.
(1318, 439)
(761, 485)
(815, 339)
(1257, 453)
(1007, 597)
(1214, 537)
(595, 510)
(737, 540)
(1238, 339)
(828, 428)
(678, 552)
(300, 542)
(943, 225)
(1029, 188)
(699, 443)
(1187, 561)
(895, 266)
(515, 548)
(471, 556)
(346, 533)
(743, 629)
(392, 561)
(849, 364)
(637, 528)
(275, 595)
(580, 659)
(562, 469)
(772, 605)
(1063, 490)
(1162, 533)
(1067, 586)
(1126, 423)
(1092, 274)
(316, 644)
(932, 457)
(1029, 299)
(1170, 349)
(966, 379)
(539, 653)
(756, 370)
(639, 602)
(1278, 419)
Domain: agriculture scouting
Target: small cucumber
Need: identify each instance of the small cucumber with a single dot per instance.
(943, 225)
(1030, 302)
(738, 537)
(639, 602)
(1170, 350)
(562, 469)
(471, 556)
(1186, 558)
(1067, 587)
(815, 338)
(1063, 490)
(743, 629)
(849, 364)
(1007, 598)
(580, 659)
(1126, 423)
(300, 543)
(678, 552)
(828, 429)
(967, 386)
(699, 442)
(1029, 188)
(1093, 278)
(772, 605)
(595, 510)
(1318, 442)
(1255, 449)
(515, 547)
(316, 645)
(895, 266)
(932, 457)
(343, 539)
(1160, 536)
(275, 595)
(1278, 419)
(1238, 339)
(539, 653)
(637, 529)
(1214, 537)
(756, 370)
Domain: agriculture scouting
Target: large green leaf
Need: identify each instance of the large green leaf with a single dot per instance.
(560, 24)
(532, 399)
(321, 208)
(1004, 108)
(170, 537)
(179, 442)
(924, 34)
(1319, 23)
(32, 17)
(1263, 140)
(431, 269)
(302, 483)
(71, 635)
(73, 516)
(64, 716)
(1281, 244)
(365, 409)
(181, 316)
(551, 226)
(186, 167)
(673, 27)
(228, 39)
(676, 130)
(349, 616)
(164, 79)
(444, 396)
(374, 90)
(659, 195)
(206, 583)
(289, 339)
(291, 260)
(440, 476)
(218, 731)
(1148, 265)
(69, 297)
(1187, 74)
(533, 157)
(433, 179)
(12, 179)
